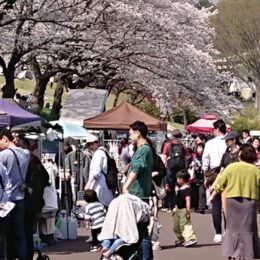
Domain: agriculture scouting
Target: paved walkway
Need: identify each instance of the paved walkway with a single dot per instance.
(204, 250)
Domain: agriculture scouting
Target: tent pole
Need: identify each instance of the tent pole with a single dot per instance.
(65, 186)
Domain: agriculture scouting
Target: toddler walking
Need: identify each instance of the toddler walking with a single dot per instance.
(95, 214)
(182, 219)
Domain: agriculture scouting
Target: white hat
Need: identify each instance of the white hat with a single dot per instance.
(92, 139)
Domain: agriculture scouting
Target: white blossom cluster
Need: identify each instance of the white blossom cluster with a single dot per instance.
(163, 47)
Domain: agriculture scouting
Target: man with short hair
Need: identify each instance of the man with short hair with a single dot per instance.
(16, 161)
(139, 179)
(212, 155)
(175, 158)
(5, 192)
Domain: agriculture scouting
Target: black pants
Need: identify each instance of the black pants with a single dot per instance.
(198, 196)
(30, 230)
(16, 235)
(94, 233)
(216, 214)
(3, 225)
(194, 196)
(202, 197)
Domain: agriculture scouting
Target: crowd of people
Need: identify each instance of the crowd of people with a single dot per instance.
(188, 174)
(221, 169)
(18, 169)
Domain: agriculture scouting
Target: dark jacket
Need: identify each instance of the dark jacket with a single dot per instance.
(37, 179)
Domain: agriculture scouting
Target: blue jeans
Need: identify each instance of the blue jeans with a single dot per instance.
(170, 195)
(145, 251)
(16, 233)
(112, 245)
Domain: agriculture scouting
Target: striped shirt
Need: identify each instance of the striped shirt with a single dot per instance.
(96, 213)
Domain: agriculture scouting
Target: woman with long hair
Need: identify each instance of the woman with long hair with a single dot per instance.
(256, 145)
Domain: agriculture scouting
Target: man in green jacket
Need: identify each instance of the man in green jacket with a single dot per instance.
(139, 179)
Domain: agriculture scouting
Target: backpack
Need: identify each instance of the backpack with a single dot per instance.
(160, 167)
(177, 158)
(112, 171)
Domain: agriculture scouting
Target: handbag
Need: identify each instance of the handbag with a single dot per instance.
(51, 203)
(159, 190)
(6, 207)
(212, 174)
(191, 172)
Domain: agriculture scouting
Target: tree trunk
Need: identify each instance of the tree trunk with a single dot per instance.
(185, 121)
(171, 118)
(257, 95)
(56, 107)
(38, 94)
(9, 87)
(117, 94)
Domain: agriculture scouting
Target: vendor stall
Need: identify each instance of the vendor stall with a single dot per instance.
(204, 125)
(122, 117)
(12, 115)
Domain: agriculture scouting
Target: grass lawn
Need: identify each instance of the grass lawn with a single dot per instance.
(26, 86)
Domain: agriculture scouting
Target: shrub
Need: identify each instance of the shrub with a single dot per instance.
(249, 120)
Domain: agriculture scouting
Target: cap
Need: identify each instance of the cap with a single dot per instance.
(92, 139)
(231, 135)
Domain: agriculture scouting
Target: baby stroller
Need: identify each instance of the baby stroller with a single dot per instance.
(132, 252)
(129, 250)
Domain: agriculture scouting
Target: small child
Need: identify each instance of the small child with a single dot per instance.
(95, 214)
(182, 222)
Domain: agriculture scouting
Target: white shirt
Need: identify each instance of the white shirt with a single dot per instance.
(213, 152)
(248, 139)
(97, 166)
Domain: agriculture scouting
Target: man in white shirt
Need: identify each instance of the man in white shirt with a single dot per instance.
(98, 169)
(212, 155)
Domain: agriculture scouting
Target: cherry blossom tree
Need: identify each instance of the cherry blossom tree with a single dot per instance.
(157, 48)
(30, 26)
(169, 50)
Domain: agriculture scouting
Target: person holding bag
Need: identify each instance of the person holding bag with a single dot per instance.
(16, 228)
(241, 183)
(158, 190)
(5, 191)
(198, 190)
(211, 159)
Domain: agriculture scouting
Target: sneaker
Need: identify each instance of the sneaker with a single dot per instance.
(94, 249)
(178, 243)
(201, 211)
(169, 211)
(190, 243)
(217, 238)
(156, 247)
(89, 240)
(164, 209)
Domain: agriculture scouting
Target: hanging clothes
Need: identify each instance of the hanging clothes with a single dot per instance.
(78, 163)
